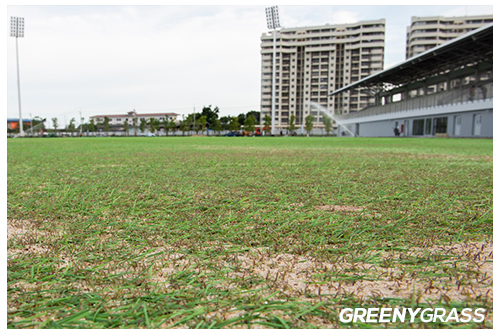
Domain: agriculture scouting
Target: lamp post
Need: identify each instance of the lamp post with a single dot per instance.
(17, 30)
(273, 22)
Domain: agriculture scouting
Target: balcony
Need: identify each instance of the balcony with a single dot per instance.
(442, 99)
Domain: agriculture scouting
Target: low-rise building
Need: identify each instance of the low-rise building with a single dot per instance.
(13, 123)
(133, 118)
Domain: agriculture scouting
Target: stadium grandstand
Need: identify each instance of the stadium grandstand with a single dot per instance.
(446, 91)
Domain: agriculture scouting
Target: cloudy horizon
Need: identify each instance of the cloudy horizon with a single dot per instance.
(113, 59)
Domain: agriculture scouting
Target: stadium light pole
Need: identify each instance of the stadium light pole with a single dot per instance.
(17, 30)
(273, 22)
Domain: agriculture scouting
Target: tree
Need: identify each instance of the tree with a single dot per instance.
(256, 115)
(92, 126)
(152, 124)
(142, 126)
(217, 126)
(234, 125)
(250, 123)
(125, 126)
(106, 124)
(84, 127)
(71, 126)
(54, 123)
(37, 125)
(241, 119)
(184, 126)
(211, 115)
(191, 122)
(172, 125)
(134, 123)
(327, 121)
(37, 120)
(291, 123)
(309, 124)
(166, 125)
(267, 124)
(224, 121)
(201, 123)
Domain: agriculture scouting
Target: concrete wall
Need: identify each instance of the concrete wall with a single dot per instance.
(464, 127)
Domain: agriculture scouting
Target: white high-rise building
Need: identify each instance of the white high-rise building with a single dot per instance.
(428, 32)
(311, 62)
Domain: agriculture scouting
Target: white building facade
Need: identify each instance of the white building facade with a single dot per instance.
(118, 120)
(311, 62)
(425, 33)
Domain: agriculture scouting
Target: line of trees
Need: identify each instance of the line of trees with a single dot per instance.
(207, 119)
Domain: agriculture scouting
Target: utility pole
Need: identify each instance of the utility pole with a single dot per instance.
(17, 30)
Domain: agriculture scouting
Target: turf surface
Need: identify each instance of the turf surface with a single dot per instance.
(201, 232)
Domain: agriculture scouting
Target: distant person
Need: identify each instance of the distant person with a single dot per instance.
(472, 93)
(483, 91)
(396, 132)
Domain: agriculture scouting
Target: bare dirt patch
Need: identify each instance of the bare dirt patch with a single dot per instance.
(308, 278)
(460, 272)
(14, 230)
(32, 239)
(340, 208)
(312, 280)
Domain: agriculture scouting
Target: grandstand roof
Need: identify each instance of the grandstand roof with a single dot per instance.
(471, 48)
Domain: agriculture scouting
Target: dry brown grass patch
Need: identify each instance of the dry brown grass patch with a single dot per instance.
(340, 208)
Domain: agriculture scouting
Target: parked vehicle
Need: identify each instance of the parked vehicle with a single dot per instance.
(47, 135)
(232, 134)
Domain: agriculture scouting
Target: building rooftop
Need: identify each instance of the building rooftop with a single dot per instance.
(17, 120)
(140, 115)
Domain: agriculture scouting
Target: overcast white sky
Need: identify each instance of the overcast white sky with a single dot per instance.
(112, 59)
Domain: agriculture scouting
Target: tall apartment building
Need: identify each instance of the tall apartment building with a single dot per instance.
(428, 32)
(311, 62)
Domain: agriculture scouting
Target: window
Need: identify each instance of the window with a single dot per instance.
(428, 126)
(418, 127)
(440, 125)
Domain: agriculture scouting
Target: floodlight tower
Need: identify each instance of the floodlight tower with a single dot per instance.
(273, 22)
(17, 30)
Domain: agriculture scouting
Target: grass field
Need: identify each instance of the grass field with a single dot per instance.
(202, 232)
